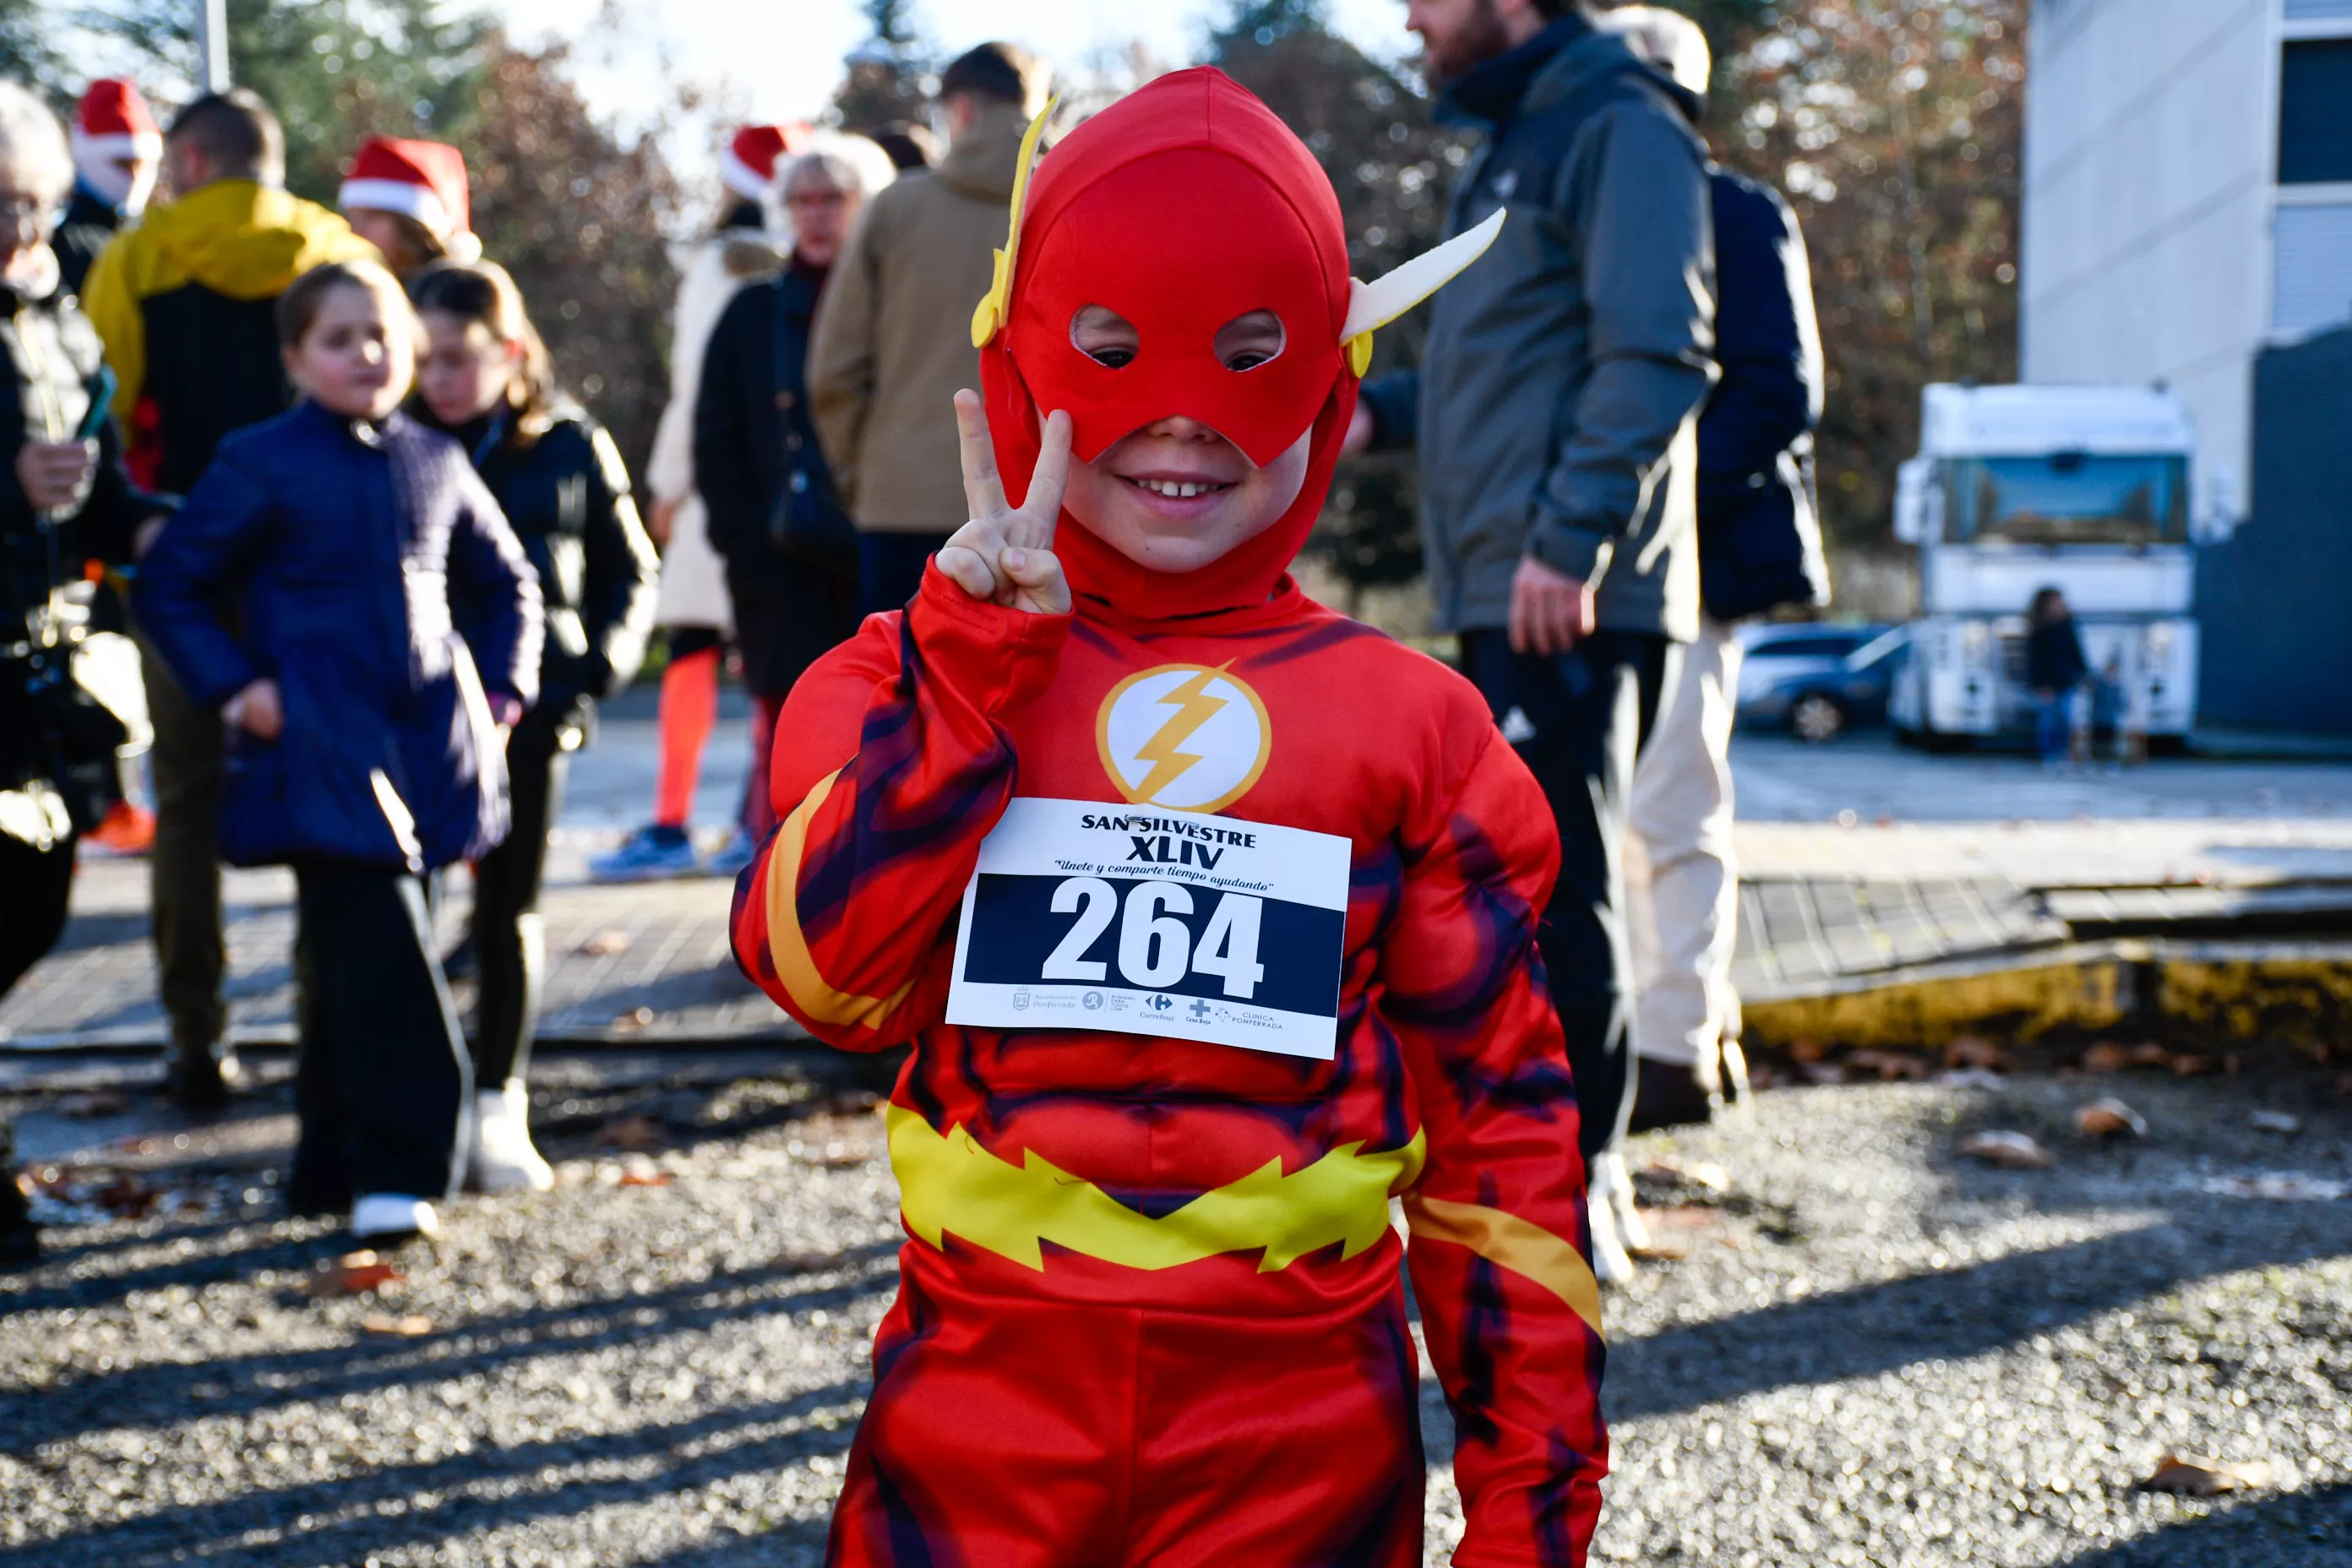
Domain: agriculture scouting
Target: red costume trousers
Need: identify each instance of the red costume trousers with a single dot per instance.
(1019, 1432)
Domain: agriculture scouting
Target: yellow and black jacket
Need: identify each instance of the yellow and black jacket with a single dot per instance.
(184, 303)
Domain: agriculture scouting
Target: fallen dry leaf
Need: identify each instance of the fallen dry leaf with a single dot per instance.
(412, 1326)
(1968, 1051)
(2276, 1122)
(96, 1102)
(1807, 1049)
(2105, 1056)
(1658, 1252)
(606, 944)
(2014, 1151)
(2192, 1475)
(631, 1132)
(1889, 1066)
(2109, 1117)
(2189, 1064)
(635, 1018)
(352, 1274)
(2149, 1053)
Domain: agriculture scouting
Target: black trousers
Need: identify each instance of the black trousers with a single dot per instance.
(891, 568)
(1580, 722)
(33, 909)
(32, 916)
(510, 939)
(386, 1087)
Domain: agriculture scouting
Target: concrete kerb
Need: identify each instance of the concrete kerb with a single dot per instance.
(2292, 993)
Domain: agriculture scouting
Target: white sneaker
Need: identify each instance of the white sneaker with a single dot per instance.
(502, 1159)
(392, 1213)
(1608, 1179)
(1611, 1264)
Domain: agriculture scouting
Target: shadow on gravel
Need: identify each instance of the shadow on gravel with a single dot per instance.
(1951, 1313)
(480, 1491)
(269, 1249)
(2294, 1530)
(240, 1386)
(760, 1550)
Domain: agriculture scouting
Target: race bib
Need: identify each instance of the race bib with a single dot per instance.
(1144, 922)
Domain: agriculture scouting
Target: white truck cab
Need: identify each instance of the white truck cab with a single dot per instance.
(2087, 489)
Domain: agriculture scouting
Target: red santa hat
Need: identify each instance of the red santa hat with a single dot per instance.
(749, 164)
(421, 180)
(113, 121)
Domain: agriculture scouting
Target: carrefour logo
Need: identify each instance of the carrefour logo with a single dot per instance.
(1183, 736)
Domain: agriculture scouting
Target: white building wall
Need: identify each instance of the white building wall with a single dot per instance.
(2150, 149)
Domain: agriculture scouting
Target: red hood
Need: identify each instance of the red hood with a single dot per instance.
(1182, 206)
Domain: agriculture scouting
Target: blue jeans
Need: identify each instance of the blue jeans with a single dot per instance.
(2054, 724)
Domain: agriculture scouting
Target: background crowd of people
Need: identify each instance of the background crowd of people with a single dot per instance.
(214, 398)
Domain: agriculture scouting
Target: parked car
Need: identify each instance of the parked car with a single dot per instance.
(1816, 680)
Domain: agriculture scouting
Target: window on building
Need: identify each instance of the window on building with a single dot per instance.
(2315, 127)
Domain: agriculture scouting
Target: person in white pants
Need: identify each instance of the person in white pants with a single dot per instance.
(1759, 549)
(1682, 881)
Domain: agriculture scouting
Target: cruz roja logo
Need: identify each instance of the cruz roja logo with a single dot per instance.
(1200, 1011)
(1183, 736)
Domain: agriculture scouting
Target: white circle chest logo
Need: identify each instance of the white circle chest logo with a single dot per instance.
(1183, 736)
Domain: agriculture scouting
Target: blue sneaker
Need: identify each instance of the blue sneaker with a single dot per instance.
(648, 855)
(729, 858)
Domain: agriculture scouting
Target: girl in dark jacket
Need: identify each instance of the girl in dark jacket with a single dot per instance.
(389, 629)
(485, 380)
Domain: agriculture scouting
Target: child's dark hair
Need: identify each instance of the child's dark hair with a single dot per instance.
(485, 291)
(2048, 604)
(299, 307)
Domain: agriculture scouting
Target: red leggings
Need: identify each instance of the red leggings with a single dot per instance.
(1019, 1433)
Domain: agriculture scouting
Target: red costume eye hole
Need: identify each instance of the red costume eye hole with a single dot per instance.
(1104, 336)
(1249, 341)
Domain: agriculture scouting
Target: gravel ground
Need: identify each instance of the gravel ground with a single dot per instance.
(1869, 1351)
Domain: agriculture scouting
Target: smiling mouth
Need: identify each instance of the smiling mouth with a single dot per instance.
(1177, 489)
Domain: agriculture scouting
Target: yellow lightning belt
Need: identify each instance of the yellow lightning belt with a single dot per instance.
(949, 1182)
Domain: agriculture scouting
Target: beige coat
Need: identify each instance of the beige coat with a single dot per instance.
(893, 338)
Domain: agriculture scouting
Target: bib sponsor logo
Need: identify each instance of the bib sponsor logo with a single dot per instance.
(1183, 736)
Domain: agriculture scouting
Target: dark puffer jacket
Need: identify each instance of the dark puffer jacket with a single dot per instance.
(346, 546)
(565, 492)
(52, 359)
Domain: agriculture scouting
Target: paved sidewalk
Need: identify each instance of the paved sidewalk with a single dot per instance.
(1858, 858)
(648, 962)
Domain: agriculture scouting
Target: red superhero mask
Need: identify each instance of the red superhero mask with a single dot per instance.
(1181, 207)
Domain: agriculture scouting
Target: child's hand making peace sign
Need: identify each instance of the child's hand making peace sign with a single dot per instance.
(1005, 553)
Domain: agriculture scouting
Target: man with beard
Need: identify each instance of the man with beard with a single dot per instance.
(1554, 415)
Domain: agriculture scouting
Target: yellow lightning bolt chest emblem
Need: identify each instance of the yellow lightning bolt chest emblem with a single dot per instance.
(1184, 736)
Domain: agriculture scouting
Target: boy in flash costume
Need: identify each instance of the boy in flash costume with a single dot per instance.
(1150, 1311)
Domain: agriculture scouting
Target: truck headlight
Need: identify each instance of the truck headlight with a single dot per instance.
(1975, 641)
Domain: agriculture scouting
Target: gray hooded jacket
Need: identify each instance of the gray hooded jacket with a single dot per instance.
(1554, 408)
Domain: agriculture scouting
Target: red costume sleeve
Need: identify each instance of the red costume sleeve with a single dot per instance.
(891, 765)
(1498, 1254)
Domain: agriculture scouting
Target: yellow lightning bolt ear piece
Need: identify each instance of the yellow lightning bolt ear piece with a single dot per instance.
(1372, 306)
(995, 307)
